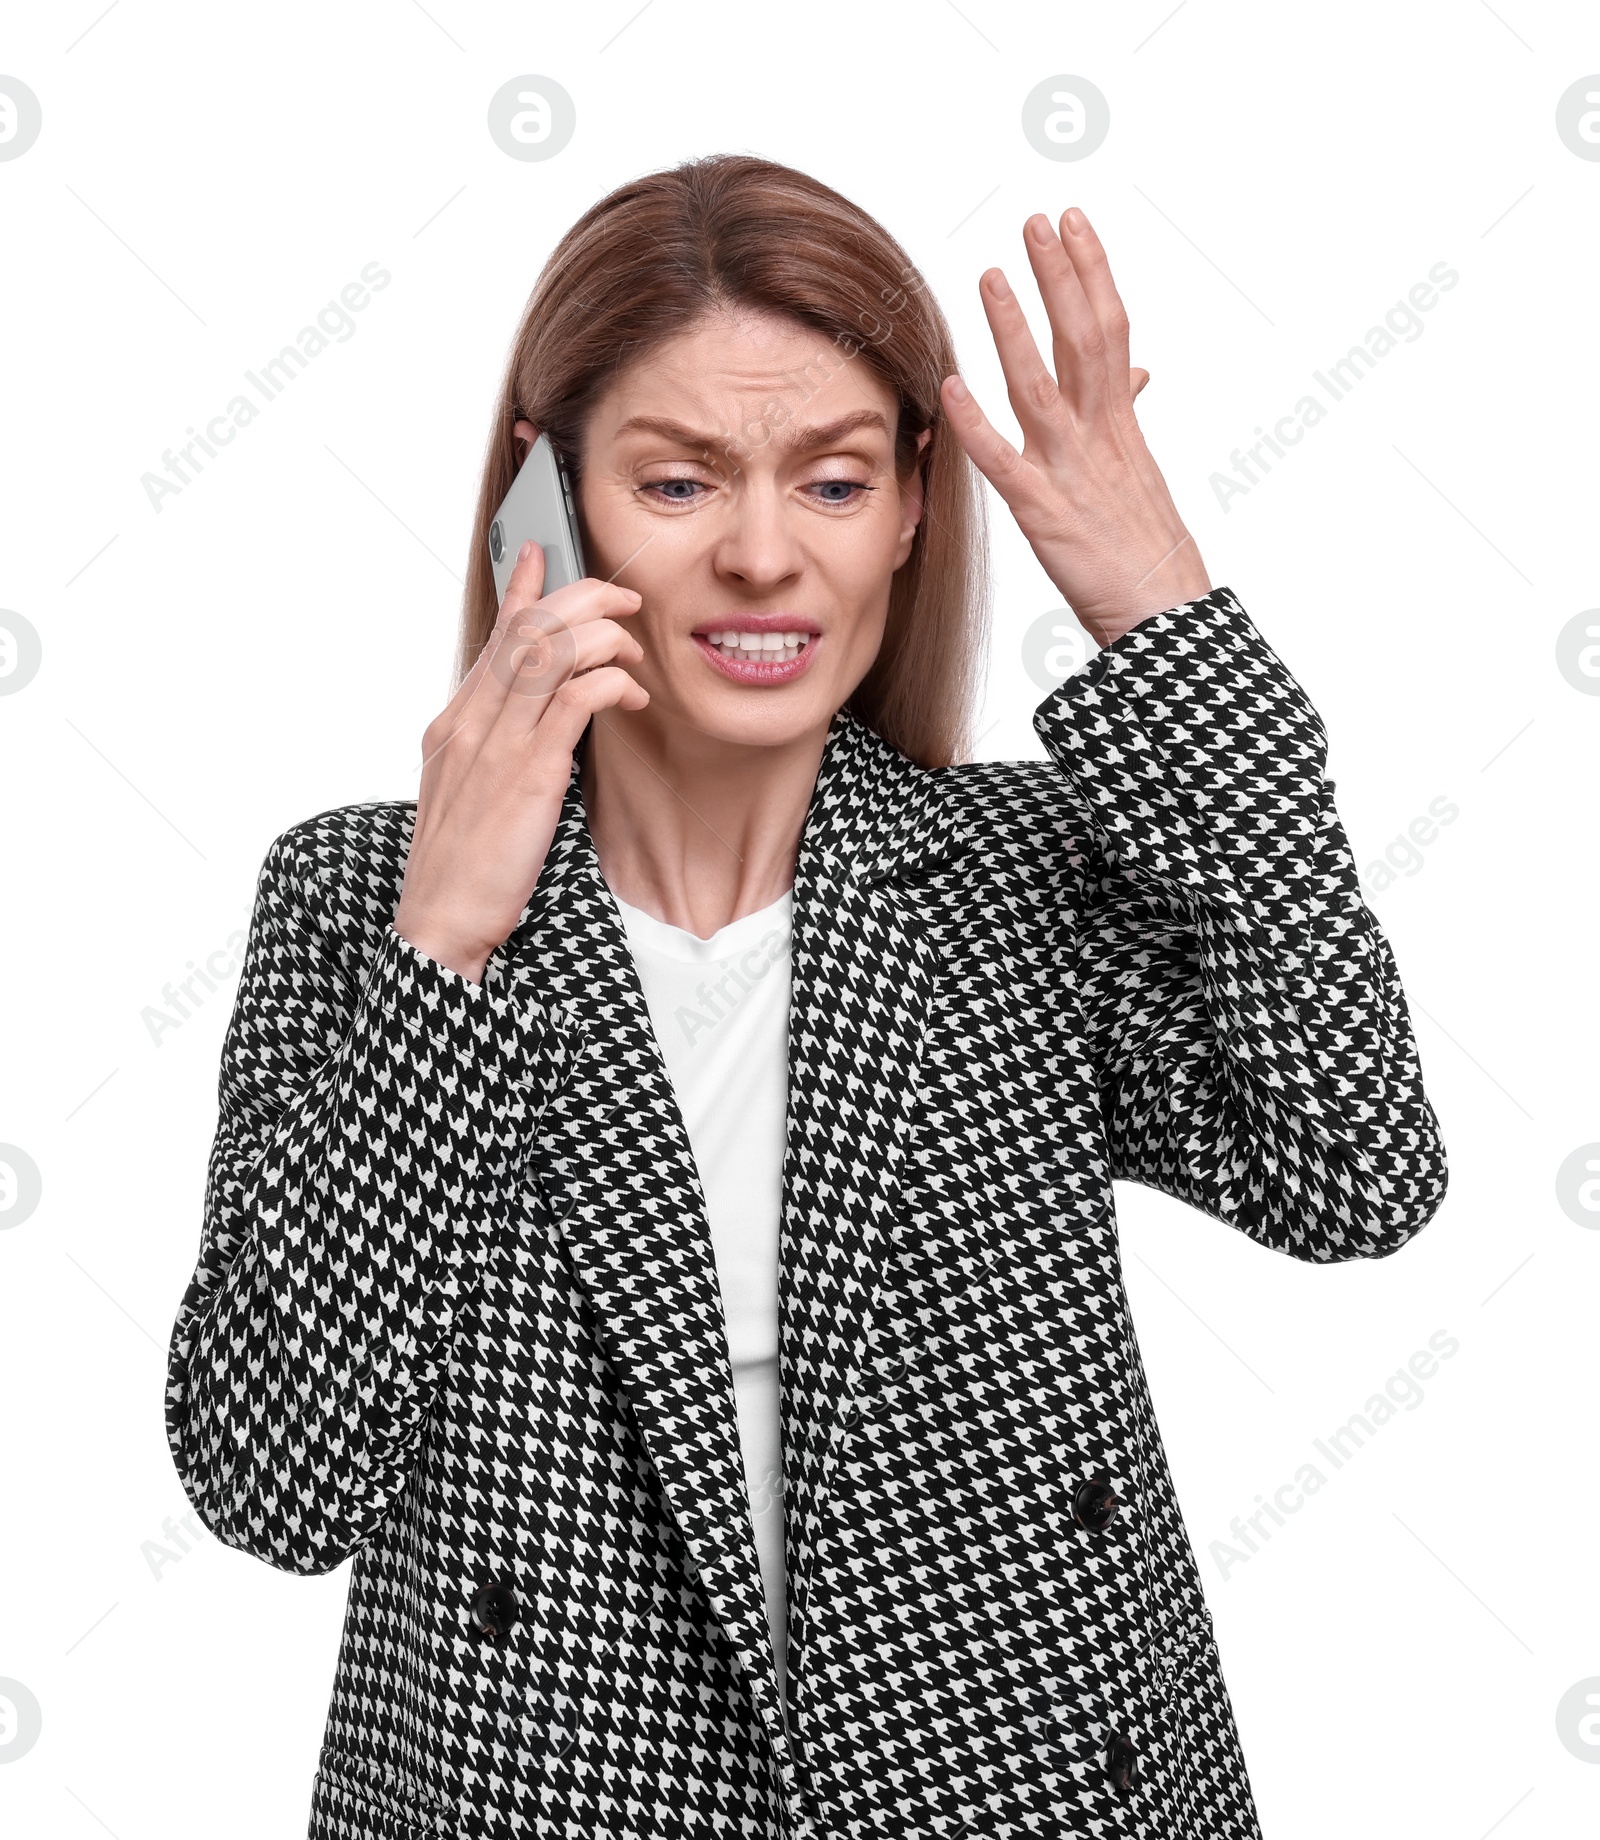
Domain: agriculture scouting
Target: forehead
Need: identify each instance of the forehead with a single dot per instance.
(737, 361)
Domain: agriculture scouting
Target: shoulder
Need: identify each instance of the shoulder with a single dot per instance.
(1002, 783)
(345, 841)
(892, 818)
(1026, 811)
(340, 871)
(1012, 832)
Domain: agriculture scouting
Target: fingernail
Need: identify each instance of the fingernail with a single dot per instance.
(958, 390)
(999, 286)
(526, 551)
(1039, 227)
(1076, 221)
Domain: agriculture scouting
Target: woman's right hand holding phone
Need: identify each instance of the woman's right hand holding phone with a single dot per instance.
(497, 760)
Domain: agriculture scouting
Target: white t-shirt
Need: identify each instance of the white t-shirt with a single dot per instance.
(720, 1007)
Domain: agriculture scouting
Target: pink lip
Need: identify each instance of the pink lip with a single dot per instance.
(759, 622)
(782, 671)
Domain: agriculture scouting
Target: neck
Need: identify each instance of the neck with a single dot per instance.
(695, 830)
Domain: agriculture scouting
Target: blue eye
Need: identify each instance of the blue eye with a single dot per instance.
(827, 491)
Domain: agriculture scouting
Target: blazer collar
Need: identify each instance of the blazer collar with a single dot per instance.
(875, 816)
(614, 1159)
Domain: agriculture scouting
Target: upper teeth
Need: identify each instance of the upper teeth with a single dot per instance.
(779, 645)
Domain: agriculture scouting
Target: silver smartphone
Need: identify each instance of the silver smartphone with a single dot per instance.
(539, 505)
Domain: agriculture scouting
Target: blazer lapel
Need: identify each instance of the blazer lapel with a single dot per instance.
(620, 1179)
(619, 1175)
(863, 975)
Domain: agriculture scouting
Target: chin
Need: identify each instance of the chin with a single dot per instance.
(761, 718)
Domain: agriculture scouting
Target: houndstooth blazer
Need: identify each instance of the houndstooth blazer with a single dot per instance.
(456, 1312)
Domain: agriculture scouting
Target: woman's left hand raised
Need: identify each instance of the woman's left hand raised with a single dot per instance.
(1084, 490)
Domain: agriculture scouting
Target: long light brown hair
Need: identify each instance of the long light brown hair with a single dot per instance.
(732, 231)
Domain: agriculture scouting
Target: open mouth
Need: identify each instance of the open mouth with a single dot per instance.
(757, 657)
(758, 648)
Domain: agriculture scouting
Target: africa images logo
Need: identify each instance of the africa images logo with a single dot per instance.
(1402, 324)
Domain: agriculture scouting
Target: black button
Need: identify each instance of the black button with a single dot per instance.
(1122, 1763)
(494, 1610)
(1093, 1504)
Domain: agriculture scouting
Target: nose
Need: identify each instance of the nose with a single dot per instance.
(758, 546)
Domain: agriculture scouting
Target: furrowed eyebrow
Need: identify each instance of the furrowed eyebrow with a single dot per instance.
(814, 435)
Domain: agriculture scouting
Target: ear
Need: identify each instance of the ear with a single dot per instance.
(524, 434)
(911, 494)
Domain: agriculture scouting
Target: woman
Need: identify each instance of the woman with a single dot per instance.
(491, 1293)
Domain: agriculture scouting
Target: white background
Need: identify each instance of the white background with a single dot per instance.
(272, 642)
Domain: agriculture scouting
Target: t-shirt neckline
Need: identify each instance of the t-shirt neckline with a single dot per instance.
(678, 942)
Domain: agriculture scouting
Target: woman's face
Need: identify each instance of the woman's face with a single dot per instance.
(741, 478)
